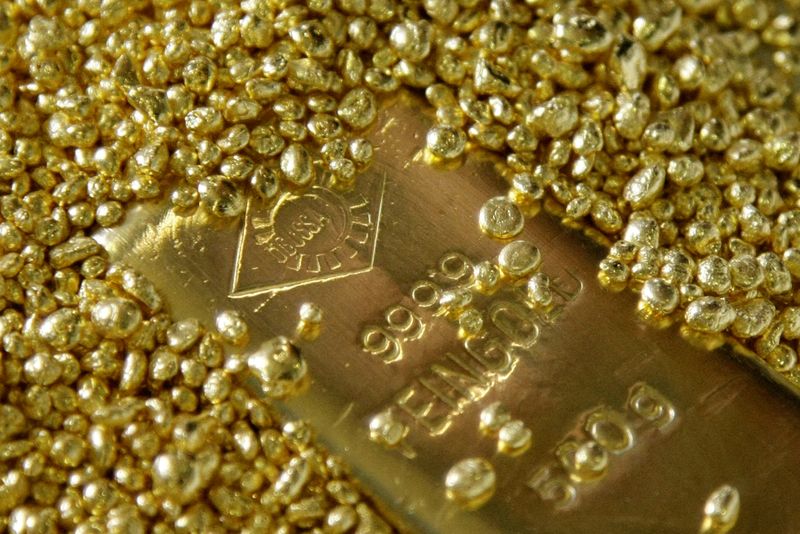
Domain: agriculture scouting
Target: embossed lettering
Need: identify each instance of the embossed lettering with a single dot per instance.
(608, 433)
(411, 401)
(553, 486)
(405, 322)
(280, 249)
(512, 326)
(378, 341)
(442, 391)
(568, 294)
(402, 324)
(610, 429)
(298, 234)
(495, 358)
(471, 386)
(646, 402)
(515, 321)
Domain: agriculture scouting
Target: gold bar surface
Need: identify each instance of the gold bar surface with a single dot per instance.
(678, 422)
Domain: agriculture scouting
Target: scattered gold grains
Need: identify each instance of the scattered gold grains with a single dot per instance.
(279, 367)
(514, 438)
(584, 461)
(115, 417)
(232, 327)
(493, 417)
(385, 429)
(471, 482)
(539, 291)
(519, 259)
(721, 510)
(500, 218)
(116, 318)
(309, 322)
(446, 141)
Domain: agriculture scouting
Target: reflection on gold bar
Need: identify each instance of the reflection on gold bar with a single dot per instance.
(631, 427)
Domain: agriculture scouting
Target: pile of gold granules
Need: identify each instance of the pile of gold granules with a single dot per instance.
(671, 128)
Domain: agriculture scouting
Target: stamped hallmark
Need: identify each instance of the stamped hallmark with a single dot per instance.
(302, 239)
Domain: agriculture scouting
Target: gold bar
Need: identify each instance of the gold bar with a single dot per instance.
(674, 422)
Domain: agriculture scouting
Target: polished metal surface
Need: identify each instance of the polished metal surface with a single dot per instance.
(687, 421)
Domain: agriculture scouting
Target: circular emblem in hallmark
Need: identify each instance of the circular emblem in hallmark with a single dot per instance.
(315, 224)
(308, 238)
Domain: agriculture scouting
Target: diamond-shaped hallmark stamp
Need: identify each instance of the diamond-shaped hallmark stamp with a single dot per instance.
(304, 239)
